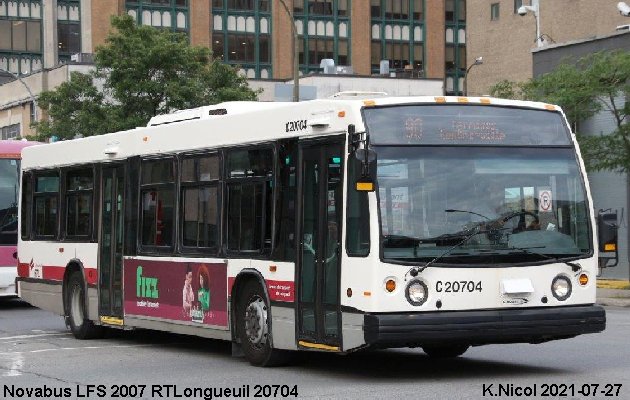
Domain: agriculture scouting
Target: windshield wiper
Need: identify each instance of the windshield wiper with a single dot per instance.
(574, 266)
(414, 271)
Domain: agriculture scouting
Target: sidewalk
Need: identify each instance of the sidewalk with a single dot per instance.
(613, 297)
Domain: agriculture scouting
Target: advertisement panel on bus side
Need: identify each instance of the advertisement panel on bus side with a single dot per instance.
(181, 291)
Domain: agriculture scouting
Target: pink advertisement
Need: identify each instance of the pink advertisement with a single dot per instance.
(182, 291)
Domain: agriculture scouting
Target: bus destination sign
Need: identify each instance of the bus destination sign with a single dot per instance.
(465, 125)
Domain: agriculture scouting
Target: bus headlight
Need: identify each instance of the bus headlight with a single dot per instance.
(561, 287)
(417, 292)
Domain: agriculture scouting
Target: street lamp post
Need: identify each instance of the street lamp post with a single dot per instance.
(296, 68)
(534, 9)
(28, 89)
(478, 61)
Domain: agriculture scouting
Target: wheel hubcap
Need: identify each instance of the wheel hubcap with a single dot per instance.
(256, 321)
(76, 311)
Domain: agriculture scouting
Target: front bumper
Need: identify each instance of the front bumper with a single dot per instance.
(526, 325)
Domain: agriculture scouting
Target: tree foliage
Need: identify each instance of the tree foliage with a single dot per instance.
(597, 83)
(140, 72)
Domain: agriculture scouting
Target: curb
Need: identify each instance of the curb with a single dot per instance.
(616, 302)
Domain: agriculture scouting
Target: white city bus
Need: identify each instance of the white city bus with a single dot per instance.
(330, 225)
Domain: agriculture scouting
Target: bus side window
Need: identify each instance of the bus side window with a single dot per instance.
(157, 194)
(284, 244)
(27, 205)
(199, 199)
(46, 204)
(357, 214)
(79, 187)
(249, 178)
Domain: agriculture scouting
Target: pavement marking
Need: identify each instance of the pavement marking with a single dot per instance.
(33, 336)
(76, 348)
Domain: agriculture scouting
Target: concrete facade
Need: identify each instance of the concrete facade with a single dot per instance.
(15, 100)
(610, 190)
(506, 44)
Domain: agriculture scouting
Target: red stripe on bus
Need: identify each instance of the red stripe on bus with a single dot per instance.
(55, 273)
(231, 280)
(22, 270)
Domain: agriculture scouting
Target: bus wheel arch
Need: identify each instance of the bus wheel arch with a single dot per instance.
(75, 303)
(251, 320)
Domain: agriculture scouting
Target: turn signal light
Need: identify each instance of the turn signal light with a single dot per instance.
(610, 247)
(583, 279)
(390, 285)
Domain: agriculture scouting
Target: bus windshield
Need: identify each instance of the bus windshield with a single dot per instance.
(9, 170)
(493, 204)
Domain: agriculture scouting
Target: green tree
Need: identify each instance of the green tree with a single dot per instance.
(599, 82)
(143, 72)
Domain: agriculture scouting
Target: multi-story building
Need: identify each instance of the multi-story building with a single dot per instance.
(505, 39)
(422, 37)
(416, 38)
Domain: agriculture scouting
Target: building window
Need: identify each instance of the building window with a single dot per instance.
(69, 38)
(21, 9)
(398, 36)
(169, 14)
(455, 48)
(242, 35)
(494, 11)
(20, 36)
(323, 28)
(517, 5)
(157, 194)
(10, 131)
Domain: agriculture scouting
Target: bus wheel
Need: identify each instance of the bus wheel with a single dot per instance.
(80, 325)
(445, 351)
(253, 327)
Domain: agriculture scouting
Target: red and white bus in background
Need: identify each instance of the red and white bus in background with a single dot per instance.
(10, 155)
(328, 225)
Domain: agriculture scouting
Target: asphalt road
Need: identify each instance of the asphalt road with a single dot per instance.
(36, 351)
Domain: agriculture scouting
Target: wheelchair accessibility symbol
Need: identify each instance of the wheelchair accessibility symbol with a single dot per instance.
(544, 201)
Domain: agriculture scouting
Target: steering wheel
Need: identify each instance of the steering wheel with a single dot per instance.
(521, 213)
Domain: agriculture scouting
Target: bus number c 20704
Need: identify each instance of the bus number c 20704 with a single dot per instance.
(458, 286)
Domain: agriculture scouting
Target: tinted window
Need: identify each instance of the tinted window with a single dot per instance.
(79, 186)
(157, 196)
(46, 199)
(200, 201)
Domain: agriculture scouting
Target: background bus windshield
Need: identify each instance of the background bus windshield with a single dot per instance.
(509, 202)
(8, 200)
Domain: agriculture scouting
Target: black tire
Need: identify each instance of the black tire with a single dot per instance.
(445, 351)
(81, 327)
(252, 308)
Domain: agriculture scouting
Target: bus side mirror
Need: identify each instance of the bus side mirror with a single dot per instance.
(607, 228)
(367, 157)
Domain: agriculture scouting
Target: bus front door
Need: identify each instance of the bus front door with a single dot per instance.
(320, 245)
(111, 245)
